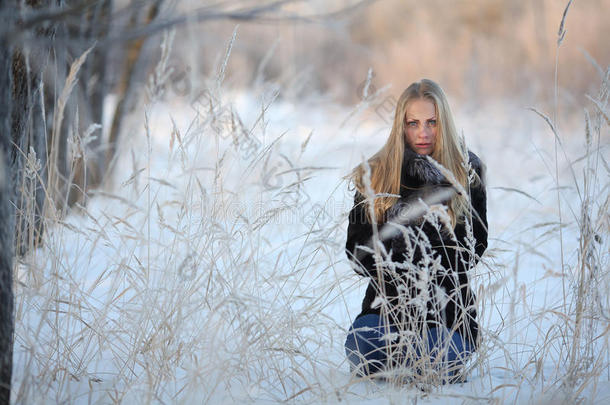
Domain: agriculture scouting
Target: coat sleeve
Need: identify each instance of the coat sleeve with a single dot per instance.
(479, 223)
(359, 245)
(478, 199)
(469, 250)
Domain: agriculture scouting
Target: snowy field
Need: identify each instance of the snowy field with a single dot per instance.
(212, 269)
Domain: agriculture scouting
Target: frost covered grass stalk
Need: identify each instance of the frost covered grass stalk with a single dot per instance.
(569, 360)
(590, 313)
(566, 358)
(582, 327)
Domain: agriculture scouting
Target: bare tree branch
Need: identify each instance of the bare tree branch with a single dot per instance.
(267, 13)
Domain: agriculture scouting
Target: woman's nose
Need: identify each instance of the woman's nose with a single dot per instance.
(423, 131)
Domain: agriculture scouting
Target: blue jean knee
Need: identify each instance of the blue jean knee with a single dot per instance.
(366, 344)
(451, 345)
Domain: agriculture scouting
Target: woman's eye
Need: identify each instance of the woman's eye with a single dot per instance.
(412, 124)
(432, 123)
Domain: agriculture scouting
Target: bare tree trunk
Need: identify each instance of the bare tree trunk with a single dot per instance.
(59, 188)
(7, 224)
(131, 72)
(89, 169)
(29, 152)
(22, 132)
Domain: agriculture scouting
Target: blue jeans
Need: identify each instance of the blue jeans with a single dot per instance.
(366, 347)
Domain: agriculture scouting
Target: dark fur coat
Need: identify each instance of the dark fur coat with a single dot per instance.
(419, 266)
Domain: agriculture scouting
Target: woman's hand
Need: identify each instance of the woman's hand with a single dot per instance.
(411, 208)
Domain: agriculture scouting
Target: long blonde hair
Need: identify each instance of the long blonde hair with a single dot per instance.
(385, 165)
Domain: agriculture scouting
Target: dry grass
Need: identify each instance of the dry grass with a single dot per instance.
(209, 274)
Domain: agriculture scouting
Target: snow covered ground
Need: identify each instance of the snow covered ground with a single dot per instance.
(212, 270)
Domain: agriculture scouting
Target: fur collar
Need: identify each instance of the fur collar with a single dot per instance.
(417, 171)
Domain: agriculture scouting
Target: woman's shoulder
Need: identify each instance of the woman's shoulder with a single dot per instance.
(477, 164)
(474, 160)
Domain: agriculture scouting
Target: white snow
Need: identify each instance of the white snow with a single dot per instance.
(213, 271)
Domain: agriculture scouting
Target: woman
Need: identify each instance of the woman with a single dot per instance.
(417, 226)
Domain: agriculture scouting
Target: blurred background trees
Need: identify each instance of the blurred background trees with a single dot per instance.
(477, 49)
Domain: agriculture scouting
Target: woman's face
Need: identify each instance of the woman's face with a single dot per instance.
(420, 126)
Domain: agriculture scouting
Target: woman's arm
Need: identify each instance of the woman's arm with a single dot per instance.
(359, 245)
(478, 199)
